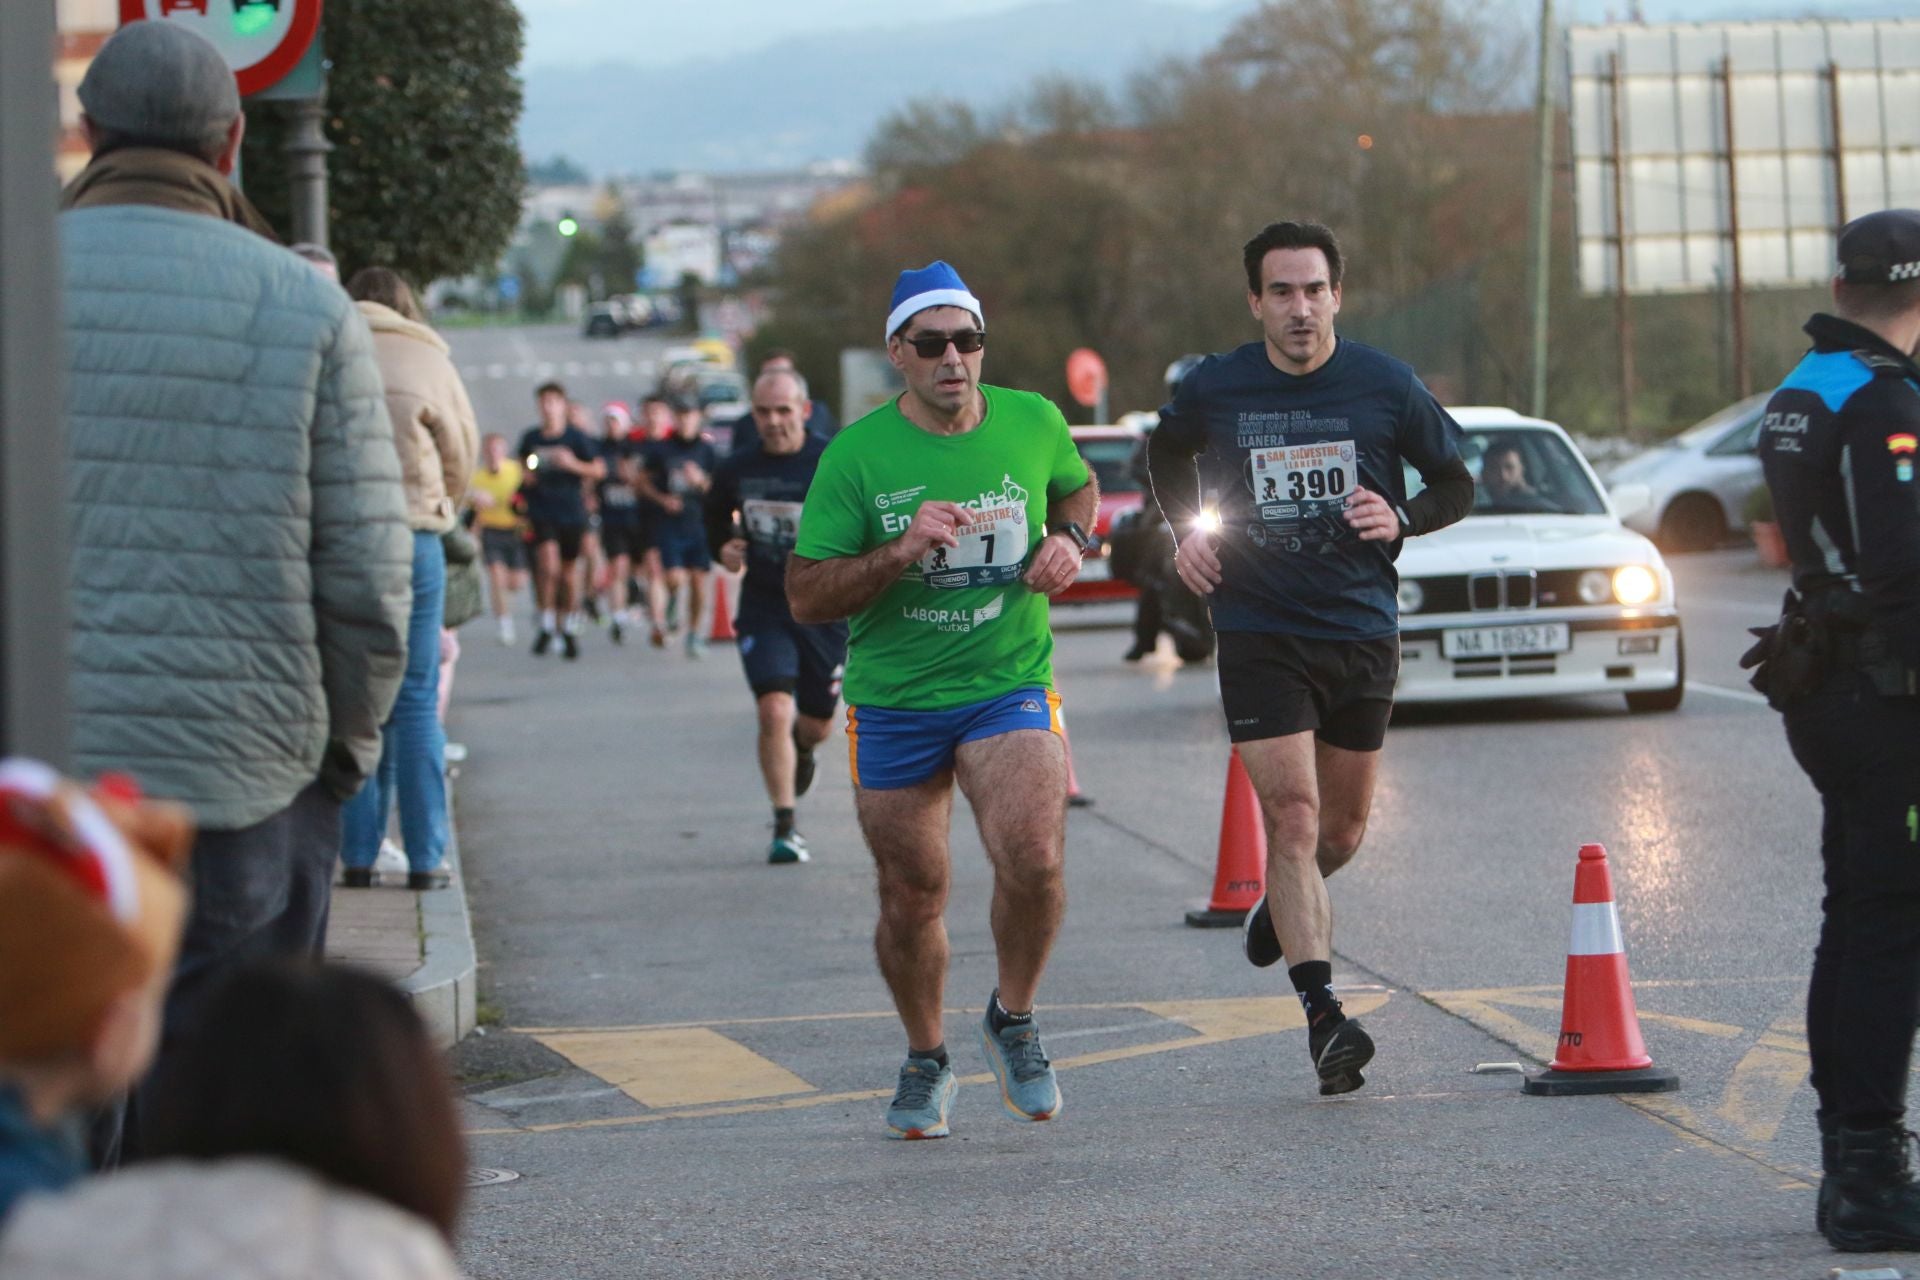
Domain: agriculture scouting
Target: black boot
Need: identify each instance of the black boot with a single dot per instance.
(1877, 1204)
(1829, 1171)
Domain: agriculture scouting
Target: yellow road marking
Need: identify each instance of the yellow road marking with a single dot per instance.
(679, 1067)
(1215, 1021)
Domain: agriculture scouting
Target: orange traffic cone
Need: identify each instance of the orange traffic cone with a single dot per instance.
(1240, 872)
(1600, 1046)
(722, 616)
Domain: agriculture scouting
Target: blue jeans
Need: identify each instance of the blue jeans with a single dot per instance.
(413, 745)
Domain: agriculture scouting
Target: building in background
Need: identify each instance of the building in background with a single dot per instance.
(84, 26)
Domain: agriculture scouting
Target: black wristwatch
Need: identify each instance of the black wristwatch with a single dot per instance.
(1073, 531)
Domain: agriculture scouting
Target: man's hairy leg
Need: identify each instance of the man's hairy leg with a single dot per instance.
(1017, 785)
(906, 831)
(1284, 776)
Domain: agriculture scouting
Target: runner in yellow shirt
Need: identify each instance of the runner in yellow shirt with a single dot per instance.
(502, 543)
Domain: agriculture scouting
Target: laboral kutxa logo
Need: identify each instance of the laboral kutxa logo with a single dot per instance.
(961, 620)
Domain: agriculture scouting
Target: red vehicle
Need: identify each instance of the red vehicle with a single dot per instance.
(183, 6)
(1107, 451)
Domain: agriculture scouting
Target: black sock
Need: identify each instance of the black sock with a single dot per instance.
(782, 822)
(1313, 979)
(998, 1017)
(938, 1053)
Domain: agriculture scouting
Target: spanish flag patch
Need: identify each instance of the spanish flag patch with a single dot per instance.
(1902, 442)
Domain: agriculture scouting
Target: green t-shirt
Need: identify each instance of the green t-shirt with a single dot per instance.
(959, 626)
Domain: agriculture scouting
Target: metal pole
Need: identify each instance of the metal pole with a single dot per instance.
(1542, 210)
(1736, 299)
(1839, 150)
(1623, 313)
(34, 718)
(307, 148)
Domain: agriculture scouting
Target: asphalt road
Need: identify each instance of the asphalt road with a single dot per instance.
(691, 1051)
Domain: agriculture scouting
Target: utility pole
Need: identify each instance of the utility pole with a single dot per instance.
(1542, 210)
(34, 719)
(307, 148)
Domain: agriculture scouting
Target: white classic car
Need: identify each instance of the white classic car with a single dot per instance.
(1539, 591)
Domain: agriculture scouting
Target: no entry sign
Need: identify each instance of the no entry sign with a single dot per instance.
(261, 40)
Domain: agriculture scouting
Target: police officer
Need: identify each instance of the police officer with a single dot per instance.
(1838, 444)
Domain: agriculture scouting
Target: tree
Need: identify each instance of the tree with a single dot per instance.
(423, 106)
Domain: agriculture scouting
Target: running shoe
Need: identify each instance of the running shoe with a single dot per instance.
(506, 632)
(542, 643)
(920, 1103)
(1338, 1053)
(657, 638)
(1257, 938)
(569, 647)
(791, 847)
(1019, 1063)
(617, 632)
(593, 608)
(804, 766)
(696, 647)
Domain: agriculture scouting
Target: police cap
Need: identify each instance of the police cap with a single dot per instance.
(1881, 248)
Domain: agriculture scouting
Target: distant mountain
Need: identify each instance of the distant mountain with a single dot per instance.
(819, 97)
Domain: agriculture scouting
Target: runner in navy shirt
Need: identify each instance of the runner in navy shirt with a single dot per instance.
(753, 517)
(676, 477)
(1279, 467)
(560, 461)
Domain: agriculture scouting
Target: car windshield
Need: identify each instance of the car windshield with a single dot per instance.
(1523, 472)
(1108, 460)
(1708, 429)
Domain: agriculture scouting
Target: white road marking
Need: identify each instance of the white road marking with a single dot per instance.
(573, 368)
(1737, 695)
(496, 370)
(597, 369)
(623, 367)
(544, 369)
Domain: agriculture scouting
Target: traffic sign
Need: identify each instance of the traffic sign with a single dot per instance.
(262, 40)
(1086, 376)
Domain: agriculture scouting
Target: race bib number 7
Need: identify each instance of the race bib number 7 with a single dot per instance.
(1291, 482)
(992, 550)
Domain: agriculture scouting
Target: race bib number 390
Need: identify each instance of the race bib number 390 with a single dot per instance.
(992, 550)
(775, 525)
(1292, 482)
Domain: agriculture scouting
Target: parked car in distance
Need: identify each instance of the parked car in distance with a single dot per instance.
(1690, 492)
(1107, 451)
(1539, 591)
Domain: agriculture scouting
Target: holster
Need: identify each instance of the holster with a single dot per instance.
(1791, 658)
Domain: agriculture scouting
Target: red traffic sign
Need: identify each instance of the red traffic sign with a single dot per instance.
(261, 40)
(1086, 376)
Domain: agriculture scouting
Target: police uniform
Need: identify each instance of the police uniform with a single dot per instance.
(1838, 444)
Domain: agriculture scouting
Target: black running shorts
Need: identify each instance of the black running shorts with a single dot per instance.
(568, 536)
(1273, 685)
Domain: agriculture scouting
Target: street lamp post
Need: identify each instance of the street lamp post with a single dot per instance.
(33, 437)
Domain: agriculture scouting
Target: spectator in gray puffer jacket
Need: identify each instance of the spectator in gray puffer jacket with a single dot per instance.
(242, 565)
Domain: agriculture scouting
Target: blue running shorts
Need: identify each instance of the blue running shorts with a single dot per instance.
(892, 749)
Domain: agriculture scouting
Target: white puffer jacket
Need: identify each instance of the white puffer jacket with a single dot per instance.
(230, 1219)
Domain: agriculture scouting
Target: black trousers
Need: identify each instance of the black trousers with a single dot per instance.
(1862, 752)
(258, 891)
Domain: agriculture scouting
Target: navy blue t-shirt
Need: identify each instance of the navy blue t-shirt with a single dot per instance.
(666, 462)
(767, 490)
(619, 501)
(555, 496)
(1279, 454)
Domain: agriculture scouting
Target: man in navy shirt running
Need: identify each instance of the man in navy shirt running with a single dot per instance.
(753, 518)
(1279, 467)
(560, 462)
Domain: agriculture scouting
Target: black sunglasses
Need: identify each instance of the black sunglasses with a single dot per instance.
(931, 346)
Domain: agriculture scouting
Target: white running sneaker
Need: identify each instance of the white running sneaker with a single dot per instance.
(392, 859)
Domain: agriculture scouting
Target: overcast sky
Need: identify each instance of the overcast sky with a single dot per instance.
(669, 32)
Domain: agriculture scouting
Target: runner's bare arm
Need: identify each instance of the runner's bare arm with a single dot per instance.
(828, 590)
(1056, 561)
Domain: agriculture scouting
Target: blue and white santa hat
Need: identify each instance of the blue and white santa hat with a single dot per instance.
(934, 285)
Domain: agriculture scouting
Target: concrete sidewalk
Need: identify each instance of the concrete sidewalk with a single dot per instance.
(420, 941)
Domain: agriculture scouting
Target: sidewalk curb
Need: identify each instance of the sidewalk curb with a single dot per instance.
(444, 990)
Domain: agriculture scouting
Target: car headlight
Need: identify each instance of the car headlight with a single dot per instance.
(1635, 584)
(1411, 596)
(1596, 587)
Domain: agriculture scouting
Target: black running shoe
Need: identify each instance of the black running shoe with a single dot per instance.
(542, 643)
(803, 769)
(617, 633)
(1257, 938)
(1339, 1052)
(569, 647)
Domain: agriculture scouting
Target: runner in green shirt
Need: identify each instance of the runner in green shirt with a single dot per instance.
(939, 524)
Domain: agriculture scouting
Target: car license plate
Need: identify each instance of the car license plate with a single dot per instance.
(1094, 571)
(1494, 642)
